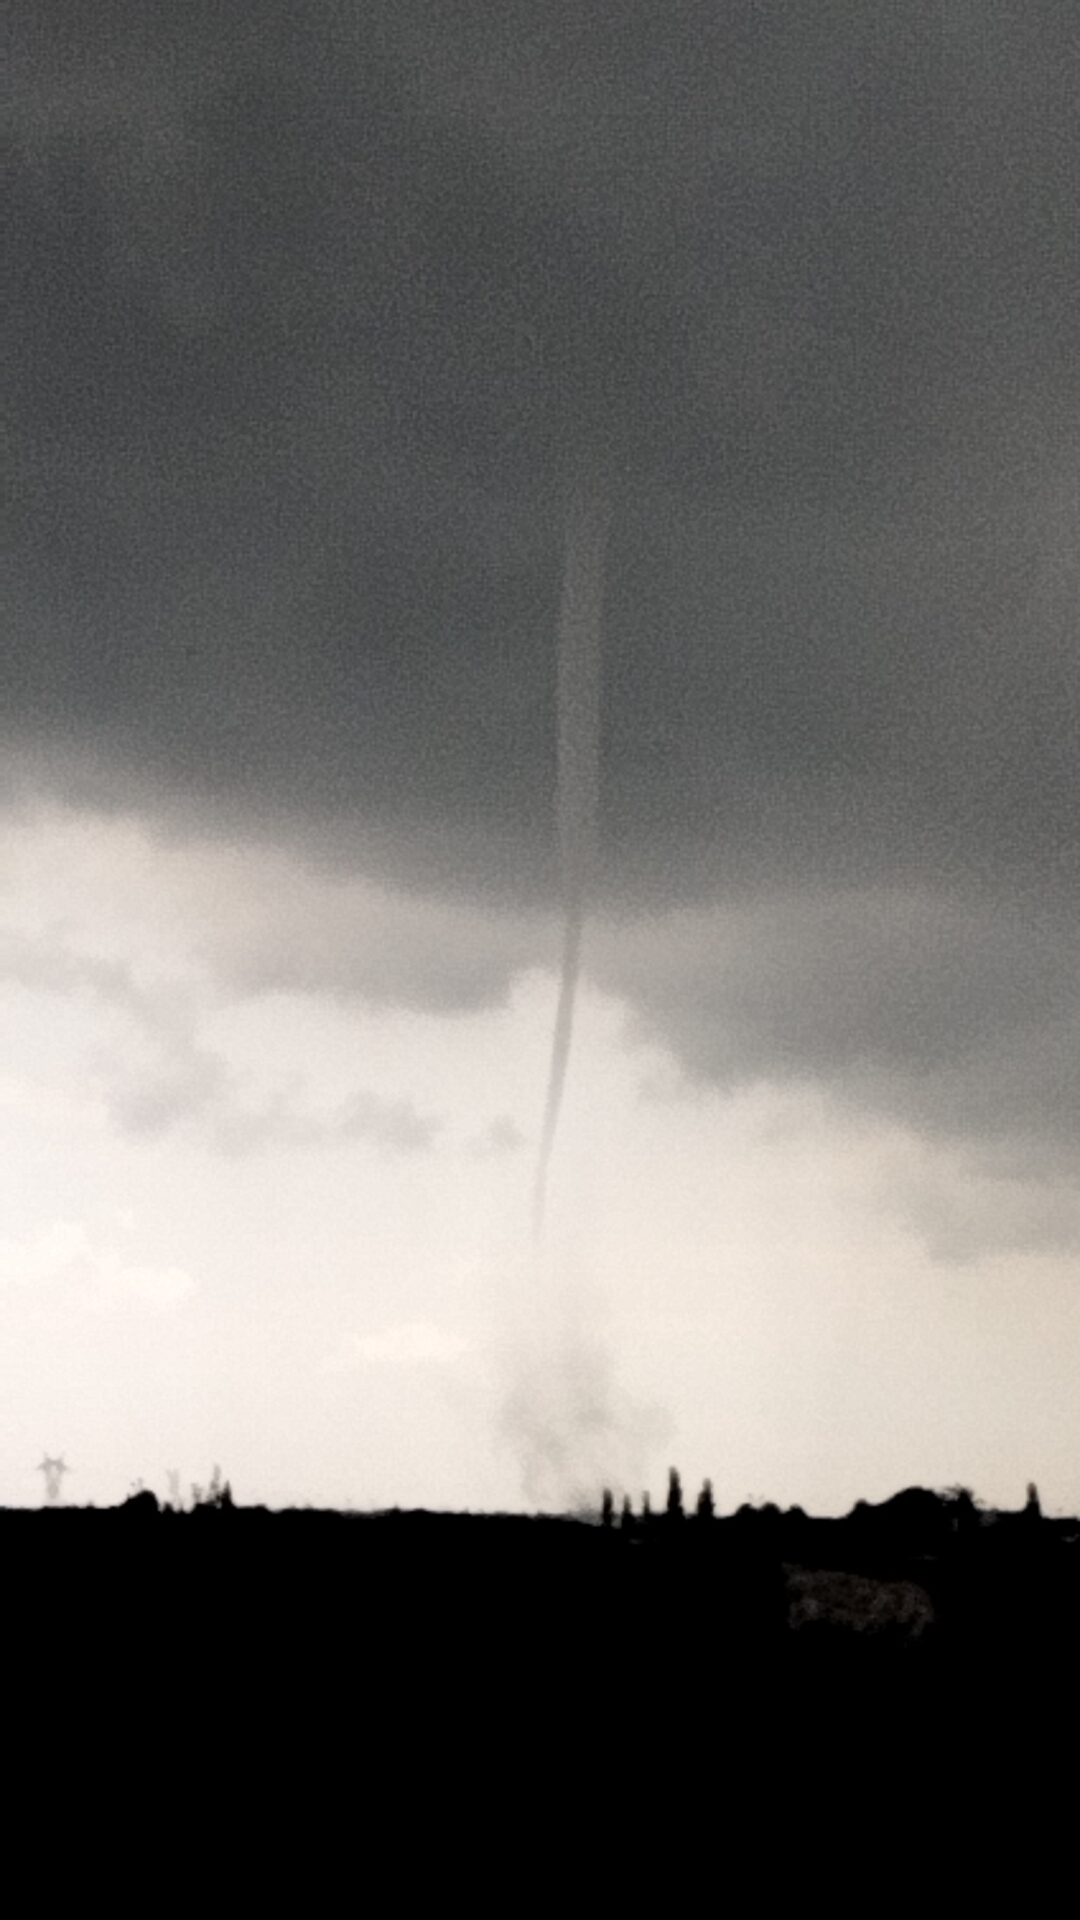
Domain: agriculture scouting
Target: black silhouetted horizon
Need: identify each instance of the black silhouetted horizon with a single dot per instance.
(923, 1574)
(935, 1514)
(910, 1658)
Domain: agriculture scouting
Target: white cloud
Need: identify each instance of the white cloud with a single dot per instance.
(59, 1252)
(136, 1032)
(412, 1343)
(65, 1261)
(162, 1289)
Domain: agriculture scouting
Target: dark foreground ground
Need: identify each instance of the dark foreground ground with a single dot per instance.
(785, 1690)
(688, 1602)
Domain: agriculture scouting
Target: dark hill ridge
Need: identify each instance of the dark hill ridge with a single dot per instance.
(903, 1672)
(926, 1574)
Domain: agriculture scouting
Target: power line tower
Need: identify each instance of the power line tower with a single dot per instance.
(54, 1471)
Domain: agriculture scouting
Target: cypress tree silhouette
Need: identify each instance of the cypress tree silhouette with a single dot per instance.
(706, 1506)
(674, 1498)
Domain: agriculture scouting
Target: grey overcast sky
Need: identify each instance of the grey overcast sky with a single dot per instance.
(318, 312)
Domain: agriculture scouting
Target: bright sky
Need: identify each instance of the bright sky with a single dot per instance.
(289, 1231)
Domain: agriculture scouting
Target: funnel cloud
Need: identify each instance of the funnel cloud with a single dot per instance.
(580, 619)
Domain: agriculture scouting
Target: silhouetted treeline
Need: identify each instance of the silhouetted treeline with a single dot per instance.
(925, 1575)
(761, 1672)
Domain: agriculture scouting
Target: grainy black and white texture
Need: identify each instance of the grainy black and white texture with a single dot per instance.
(320, 314)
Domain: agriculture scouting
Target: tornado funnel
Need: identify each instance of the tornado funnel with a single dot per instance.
(578, 776)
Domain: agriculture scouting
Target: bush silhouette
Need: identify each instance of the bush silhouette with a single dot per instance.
(218, 1494)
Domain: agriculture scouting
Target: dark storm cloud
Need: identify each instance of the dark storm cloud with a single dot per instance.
(281, 929)
(319, 308)
(958, 1015)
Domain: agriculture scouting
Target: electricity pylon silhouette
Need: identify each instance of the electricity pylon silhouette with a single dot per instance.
(54, 1471)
